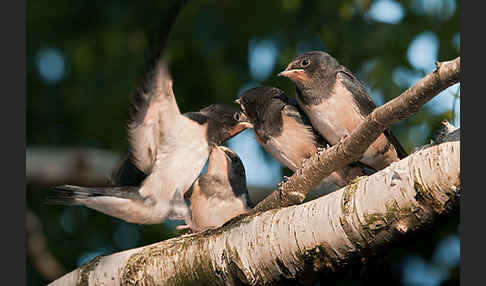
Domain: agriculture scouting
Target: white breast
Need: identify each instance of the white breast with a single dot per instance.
(335, 117)
(213, 211)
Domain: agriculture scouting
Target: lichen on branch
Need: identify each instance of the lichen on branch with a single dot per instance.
(296, 243)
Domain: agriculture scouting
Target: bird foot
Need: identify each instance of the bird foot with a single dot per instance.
(322, 149)
(355, 180)
(284, 179)
(186, 229)
(183, 227)
(303, 162)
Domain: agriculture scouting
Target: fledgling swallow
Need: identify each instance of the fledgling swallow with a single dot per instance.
(336, 102)
(219, 194)
(284, 131)
(168, 151)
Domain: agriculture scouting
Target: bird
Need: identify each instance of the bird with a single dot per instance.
(336, 103)
(285, 132)
(167, 152)
(168, 148)
(219, 194)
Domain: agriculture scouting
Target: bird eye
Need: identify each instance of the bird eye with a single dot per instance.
(305, 63)
(237, 116)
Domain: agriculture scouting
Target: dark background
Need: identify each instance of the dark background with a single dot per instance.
(83, 58)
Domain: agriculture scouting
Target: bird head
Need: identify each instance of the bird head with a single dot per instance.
(306, 68)
(222, 122)
(259, 103)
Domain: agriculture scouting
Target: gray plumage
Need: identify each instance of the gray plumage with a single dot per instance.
(284, 131)
(336, 103)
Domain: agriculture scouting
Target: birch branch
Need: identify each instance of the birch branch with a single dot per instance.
(297, 243)
(322, 164)
(49, 166)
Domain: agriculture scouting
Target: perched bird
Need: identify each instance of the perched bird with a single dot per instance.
(219, 194)
(336, 102)
(284, 131)
(167, 148)
(168, 151)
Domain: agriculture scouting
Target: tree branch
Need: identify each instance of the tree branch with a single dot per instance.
(49, 166)
(281, 246)
(322, 164)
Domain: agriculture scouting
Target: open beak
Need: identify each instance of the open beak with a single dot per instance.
(242, 124)
(243, 117)
(243, 120)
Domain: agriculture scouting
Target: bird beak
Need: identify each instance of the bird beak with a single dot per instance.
(296, 75)
(243, 120)
(244, 123)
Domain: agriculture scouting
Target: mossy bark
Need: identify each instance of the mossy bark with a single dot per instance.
(297, 243)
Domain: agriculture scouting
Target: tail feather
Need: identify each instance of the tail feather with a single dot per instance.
(68, 194)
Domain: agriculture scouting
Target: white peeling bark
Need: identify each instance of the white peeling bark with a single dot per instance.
(295, 243)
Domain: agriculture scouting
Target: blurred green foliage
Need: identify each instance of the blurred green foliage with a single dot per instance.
(104, 45)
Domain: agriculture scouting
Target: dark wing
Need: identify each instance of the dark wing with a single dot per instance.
(167, 25)
(127, 174)
(296, 113)
(249, 203)
(394, 141)
(292, 110)
(67, 194)
(360, 95)
(366, 104)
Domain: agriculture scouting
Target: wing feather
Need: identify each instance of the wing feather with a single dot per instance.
(366, 105)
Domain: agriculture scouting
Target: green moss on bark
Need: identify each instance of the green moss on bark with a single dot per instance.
(86, 269)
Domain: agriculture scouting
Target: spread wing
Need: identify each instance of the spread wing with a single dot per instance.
(153, 105)
(366, 105)
(152, 113)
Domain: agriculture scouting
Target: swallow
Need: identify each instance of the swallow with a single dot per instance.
(285, 132)
(336, 102)
(220, 193)
(168, 151)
